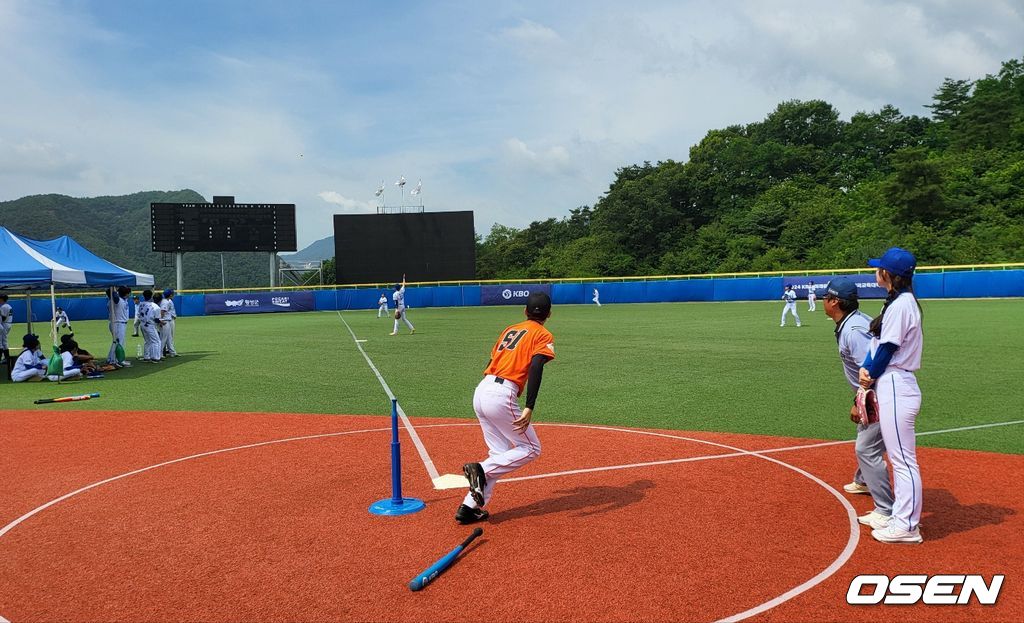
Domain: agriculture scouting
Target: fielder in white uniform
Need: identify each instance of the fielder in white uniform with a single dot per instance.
(135, 316)
(382, 306)
(31, 364)
(62, 320)
(168, 315)
(597, 297)
(854, 339)
(790, 297)
(811, 297)
(6, 324)
(894, 357)
(400, 313)
(517, 360)
(117, 322)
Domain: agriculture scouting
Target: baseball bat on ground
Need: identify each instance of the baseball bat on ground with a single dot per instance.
(43, 401)
(438, 567)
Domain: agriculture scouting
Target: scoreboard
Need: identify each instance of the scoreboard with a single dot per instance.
(180, 227)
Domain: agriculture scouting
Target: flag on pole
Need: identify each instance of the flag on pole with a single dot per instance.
(401, 182)
(380, 191)
(419, 187)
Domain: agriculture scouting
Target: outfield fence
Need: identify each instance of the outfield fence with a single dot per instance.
(973, 281)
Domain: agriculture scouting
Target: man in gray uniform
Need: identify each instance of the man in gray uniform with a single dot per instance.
(841, 305)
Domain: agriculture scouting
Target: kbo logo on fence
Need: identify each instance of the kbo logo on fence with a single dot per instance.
(508, 294)
(910, 589)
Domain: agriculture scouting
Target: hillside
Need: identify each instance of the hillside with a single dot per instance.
(322, 249)
(117, 228)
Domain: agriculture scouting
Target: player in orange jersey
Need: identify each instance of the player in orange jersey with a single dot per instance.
(517, 360)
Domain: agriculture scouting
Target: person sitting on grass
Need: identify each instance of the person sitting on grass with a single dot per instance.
(31, 364)
(82, 358)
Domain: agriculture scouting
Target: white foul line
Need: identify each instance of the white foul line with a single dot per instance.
(416, 441)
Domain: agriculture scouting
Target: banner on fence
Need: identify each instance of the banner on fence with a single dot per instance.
(867, 287)
(260, 302)
(511, 294)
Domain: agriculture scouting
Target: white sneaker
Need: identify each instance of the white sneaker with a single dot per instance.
(394, 333)
(876, 520)
(855, 487)
(782, 325)
(892, 534)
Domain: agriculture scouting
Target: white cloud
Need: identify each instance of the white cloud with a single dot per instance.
(532, 33)
(553, 160)
(346, 204)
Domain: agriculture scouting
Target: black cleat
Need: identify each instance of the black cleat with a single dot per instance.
(475, 475)
(466, 515)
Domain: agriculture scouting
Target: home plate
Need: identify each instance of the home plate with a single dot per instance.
(451, 481)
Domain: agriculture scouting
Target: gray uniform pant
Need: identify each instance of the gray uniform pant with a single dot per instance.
(871, 468)
(5, 330)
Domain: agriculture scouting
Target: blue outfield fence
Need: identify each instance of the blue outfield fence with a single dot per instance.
(953, 284)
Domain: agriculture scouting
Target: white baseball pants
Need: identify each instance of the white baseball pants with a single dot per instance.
(790, 308)
(899, 401)
(151, 341)
(117, 330)
(811, 306)
(405, 319)
(382, 310)
(496, 406)
(5, 330)
(167, 338)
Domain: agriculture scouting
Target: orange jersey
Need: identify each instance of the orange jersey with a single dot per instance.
(515, 348)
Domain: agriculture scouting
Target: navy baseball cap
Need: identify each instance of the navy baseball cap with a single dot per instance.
(897, 261)
(843, 288)
(31, 340)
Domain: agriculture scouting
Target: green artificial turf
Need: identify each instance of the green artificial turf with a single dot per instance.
(692, 366)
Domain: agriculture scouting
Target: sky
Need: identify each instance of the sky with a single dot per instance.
(517, 110)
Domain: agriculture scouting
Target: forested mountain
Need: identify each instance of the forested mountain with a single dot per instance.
(118, 229)
(803, 189)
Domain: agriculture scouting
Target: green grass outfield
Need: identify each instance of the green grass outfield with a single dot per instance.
(688, 366)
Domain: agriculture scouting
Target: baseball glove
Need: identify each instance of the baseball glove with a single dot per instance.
(398, 315)
(867, 406)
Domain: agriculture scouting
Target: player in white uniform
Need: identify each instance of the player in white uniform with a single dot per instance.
(790, 297)
(811, 297)
(135, 316)
(400, 314)
(168, 315)
(895, 355)
(597, 297)
(382, 305)
(31, 364)
(149, 321)
(117, 322)
(6, 324)
(62, 320)
(854, 339)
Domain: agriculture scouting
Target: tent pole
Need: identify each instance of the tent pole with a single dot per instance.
(28, 309)
(53, 309)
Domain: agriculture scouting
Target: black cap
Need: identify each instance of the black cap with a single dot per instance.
(31, 340)
(538, 305)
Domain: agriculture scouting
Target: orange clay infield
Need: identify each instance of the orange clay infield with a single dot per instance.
(281, 532)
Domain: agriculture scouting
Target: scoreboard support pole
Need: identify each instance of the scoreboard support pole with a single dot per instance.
(179, 270)
(273, 269)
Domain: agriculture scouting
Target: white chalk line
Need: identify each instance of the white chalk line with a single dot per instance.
(416, 441)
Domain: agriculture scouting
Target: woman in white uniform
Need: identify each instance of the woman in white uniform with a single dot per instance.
(894, 356)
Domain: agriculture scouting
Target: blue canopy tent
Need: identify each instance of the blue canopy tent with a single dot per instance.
(27, 264)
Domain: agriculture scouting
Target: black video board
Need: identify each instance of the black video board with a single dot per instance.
(425, 246)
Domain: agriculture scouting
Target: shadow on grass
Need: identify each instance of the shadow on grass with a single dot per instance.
(945, 515)
(582, 501)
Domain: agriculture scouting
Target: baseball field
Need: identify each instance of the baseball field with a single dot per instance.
(692, 469)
